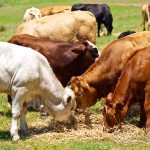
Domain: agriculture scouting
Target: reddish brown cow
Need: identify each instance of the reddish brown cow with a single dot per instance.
(67, 59)
(133, 84)
(101, 78)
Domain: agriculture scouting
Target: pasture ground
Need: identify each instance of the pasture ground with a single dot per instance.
(87, 131)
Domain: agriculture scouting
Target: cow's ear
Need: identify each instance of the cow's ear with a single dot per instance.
(78, 49)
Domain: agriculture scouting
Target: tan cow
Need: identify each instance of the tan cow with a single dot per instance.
(146, 15)
(101, 78)
(71, 26)
(50, 10)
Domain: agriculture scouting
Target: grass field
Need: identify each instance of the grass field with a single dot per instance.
(86, 134)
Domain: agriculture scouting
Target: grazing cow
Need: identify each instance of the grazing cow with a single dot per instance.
(66, 59)
(133, 84)
(123, 34)
(146, 16)
(51, 10)
(26, 76)
(32, 13)
(101, 12)
(101, 78)
(72, 27)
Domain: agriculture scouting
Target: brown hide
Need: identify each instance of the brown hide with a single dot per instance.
(67, 59)
(145, 16)
(71, 26)
(133, 83)
(50, 10)
(101, 78)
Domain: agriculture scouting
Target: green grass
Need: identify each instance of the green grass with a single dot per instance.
(11, 15)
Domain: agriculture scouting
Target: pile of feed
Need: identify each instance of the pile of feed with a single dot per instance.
(87, 126)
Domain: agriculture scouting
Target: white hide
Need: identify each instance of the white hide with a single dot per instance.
(32, 13)
(26, 75)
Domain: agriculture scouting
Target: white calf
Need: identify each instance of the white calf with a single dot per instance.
(32, 13)
(26, 75)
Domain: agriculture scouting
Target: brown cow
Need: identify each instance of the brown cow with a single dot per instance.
(101, 78)
(71, 26)
(133, 84)
(67, 59)
(50, 10)
(146, 15)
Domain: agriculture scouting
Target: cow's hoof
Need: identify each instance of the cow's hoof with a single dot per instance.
(25, 132)
(16, 138)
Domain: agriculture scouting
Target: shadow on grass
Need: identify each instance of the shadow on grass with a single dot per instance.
(5, 136)
(6, 113)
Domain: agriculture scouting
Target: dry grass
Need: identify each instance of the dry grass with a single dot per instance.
(86, 127)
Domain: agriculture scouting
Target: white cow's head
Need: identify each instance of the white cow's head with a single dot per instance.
(63, 112)
(32, 13)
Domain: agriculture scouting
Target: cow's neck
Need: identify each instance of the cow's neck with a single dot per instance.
(124, 89)
(52, 89)
(102, 77)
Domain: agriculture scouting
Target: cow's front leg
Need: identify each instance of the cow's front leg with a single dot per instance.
(15, 117)
(23, 123)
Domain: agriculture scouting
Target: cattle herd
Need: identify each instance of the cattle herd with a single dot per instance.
(52, 64)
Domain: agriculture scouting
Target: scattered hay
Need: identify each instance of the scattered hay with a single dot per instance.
(87, 126)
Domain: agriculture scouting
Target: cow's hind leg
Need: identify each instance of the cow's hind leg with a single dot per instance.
(147, 112)
(17, 106)
(23, 123)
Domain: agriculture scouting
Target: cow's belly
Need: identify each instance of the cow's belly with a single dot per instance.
(5, 81)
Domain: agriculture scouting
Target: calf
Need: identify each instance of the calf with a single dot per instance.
(32, 13)
(26, 76)
(133, 84)
(101, 12)
(101, 78)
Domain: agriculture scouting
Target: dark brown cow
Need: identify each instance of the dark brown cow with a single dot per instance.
(133, 84)
(67, 59)
(101, 78)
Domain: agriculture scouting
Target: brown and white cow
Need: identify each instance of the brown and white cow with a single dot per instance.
(133, 85)
(146, 16)
(101, 78)
(71, 26)
(51, 10)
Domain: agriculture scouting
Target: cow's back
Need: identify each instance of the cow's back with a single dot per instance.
(71, 26)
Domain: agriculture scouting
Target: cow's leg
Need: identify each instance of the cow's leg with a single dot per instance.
(142, 115)
(147, 111)
(99, 26)
(23, 123)
(17, 105)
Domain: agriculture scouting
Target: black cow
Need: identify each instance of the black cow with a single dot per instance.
(123, 34)
(102, 14)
